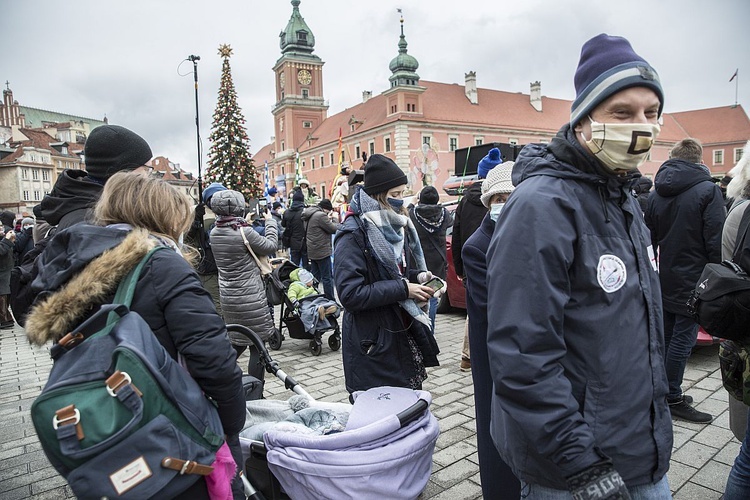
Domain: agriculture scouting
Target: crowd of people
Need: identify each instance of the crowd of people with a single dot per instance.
(577, 272)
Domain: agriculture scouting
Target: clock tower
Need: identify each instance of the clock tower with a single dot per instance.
(299, 107)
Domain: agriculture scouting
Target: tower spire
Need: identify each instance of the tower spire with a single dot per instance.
(403, 67)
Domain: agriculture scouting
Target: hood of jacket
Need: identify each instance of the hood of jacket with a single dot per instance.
(677, 176)
(565, 158)
(73, 190)
(430, 217)
(81, 267)
(309, 211)
(473, 193)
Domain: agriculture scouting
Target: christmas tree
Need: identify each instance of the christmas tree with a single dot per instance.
(229, 159)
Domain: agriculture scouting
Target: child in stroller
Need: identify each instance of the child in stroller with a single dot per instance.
(313, 308)
(305, 313)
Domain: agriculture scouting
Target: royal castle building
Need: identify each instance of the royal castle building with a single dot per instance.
(420, 123)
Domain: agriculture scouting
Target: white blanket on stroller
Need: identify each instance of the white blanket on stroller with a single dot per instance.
(298, 414)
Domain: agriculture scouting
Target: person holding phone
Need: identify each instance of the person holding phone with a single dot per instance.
(7, 240)
(379, 273)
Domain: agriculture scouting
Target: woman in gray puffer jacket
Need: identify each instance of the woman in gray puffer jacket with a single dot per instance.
(241, 288)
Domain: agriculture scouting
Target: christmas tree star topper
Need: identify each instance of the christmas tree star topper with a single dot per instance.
(225, 50)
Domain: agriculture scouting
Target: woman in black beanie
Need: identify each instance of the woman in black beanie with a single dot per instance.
(379, 266)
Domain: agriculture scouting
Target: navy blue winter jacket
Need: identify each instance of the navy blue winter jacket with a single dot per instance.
(685, 215)
(375, 348)
(575, 341)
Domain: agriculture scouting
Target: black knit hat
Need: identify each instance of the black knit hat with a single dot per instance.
(111, 148)
(325, 204)
(429, 196)
(382, 174)
(298, 196)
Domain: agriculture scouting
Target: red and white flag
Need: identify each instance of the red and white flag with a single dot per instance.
(734, 75)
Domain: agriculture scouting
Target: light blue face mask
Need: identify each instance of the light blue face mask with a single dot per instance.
(396, 203)
(495, 210)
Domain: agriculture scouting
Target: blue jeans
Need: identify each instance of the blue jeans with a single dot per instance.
(321, 269)
(680, 333)
(658, 491)
(299, 258)
(738, 483)
(433, 313)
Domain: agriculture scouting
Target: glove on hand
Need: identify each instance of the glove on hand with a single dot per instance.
(599, 482)
(200, 211)
(424, 277)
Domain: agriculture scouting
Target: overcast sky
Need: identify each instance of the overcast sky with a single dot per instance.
(125, 59)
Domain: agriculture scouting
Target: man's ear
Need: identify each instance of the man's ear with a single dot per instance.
(578, 128)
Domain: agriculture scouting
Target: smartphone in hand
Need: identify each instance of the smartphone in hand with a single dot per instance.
(435, 283)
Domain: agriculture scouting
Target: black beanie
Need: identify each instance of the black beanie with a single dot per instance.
(298, 196)
(111, 148)
(382, 174)
(429, 196)
(325, 204)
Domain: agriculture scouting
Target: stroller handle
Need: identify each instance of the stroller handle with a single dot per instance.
(411, 413)
(270, 365)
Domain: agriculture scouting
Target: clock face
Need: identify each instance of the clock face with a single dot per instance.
(282, 80)
(304, 77)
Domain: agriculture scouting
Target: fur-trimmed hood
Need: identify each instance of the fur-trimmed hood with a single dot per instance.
(80, 269)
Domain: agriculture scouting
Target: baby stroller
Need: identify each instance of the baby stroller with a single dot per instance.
(384, 450)
(279, 282)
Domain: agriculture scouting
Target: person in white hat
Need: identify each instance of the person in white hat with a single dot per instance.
(496, 477)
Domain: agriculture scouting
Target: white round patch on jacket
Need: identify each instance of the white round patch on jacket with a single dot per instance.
(611, 273)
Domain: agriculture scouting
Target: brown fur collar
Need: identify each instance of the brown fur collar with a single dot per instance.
(55, 316)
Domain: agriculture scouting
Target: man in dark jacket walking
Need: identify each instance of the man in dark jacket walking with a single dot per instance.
(575, 335)
(294, 231)
(685, 215)
(320, 228)
(468, 217)
(432, 221)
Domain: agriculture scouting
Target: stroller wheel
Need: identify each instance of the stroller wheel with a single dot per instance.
(275, 341)
(316, 348)
(334, 341)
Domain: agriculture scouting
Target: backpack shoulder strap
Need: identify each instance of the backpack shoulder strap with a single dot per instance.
(740, 243)
(126, 289)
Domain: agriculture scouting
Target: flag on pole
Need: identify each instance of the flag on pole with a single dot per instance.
(734, 75)
(338, 151)
(297, 173)
(266, 175)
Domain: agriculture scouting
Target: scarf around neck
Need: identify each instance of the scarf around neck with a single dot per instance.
(385, 230)
(231, 221)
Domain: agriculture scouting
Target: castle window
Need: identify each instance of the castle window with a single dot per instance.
(387, 144)
(305, 93)
(453, 143)
(306, 124)
(718, 157)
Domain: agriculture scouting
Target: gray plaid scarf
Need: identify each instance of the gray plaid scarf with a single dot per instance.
(385, 231)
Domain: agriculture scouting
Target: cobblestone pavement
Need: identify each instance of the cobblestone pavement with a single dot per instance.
(702, 456)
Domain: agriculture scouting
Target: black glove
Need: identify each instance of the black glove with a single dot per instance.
(598, 482)
(200, 211)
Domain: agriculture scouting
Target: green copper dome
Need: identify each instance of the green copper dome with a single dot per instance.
(403, 66)
(297, 36)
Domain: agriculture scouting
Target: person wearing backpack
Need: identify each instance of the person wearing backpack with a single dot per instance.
(685, 214)
(83, 265)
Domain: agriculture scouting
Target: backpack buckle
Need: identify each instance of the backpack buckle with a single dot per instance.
(117, 381)
(72, 339)
(70, 415)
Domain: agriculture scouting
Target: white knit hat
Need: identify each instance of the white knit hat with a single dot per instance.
(498, 181)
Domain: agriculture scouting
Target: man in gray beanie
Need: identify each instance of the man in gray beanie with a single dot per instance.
(575, 338)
